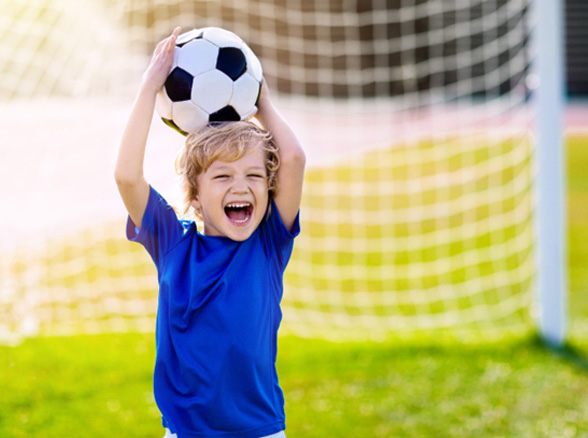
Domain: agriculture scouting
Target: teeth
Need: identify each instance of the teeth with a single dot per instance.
(238, 205)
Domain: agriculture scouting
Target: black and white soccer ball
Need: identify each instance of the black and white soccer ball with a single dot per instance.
(215, 77)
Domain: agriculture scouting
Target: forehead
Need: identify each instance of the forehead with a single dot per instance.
(254, 157)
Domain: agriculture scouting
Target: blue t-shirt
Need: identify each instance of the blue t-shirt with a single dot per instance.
(217, 323)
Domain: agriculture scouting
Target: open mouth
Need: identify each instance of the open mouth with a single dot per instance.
(239, 213)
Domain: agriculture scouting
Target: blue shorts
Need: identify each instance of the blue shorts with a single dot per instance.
(281, 434)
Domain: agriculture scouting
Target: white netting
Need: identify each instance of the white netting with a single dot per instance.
(417, 212)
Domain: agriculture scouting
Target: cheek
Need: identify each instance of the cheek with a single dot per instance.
(262, 188)
(216, 190)
(264, 182)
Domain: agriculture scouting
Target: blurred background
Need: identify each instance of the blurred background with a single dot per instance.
(410, 303)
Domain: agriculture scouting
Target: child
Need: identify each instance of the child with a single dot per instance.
(219, 287)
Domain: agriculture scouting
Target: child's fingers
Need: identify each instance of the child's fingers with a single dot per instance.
(173, 37)
(167, 42)
(159, 47)
(264, 93)
(171, 43)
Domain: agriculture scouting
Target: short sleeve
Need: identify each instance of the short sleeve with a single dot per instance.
(160, 228)
(277, 237)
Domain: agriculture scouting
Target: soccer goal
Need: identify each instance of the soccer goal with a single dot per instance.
(433, 198)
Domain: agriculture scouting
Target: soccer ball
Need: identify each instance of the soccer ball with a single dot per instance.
(215, 77)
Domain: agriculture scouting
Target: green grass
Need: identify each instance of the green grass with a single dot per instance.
(100, 386)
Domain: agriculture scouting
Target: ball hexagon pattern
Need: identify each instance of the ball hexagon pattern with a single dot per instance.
(197, 57)
(189, 117)
(245, 95)
(215, 77)
(221, 37)
(212, 90)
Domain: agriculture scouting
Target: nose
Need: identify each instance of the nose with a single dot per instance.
(240, 186)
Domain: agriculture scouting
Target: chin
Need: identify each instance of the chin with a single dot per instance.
(239, 234)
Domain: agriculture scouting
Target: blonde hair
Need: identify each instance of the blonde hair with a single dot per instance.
(227, 141)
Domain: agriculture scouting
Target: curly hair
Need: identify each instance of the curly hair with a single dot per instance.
(227, 142)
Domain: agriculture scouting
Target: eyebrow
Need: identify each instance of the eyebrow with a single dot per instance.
(225, 168)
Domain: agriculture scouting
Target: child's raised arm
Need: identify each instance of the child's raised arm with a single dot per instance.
(128, 173)
(292, 159)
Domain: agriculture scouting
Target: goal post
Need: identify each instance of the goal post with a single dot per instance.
(550, 186)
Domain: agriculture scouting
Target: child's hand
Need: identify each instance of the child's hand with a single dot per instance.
(264, 103)
(160, 64)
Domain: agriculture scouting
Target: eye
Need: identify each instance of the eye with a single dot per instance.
(256, 175)
(220, 177)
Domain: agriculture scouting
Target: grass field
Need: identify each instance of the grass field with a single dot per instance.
(100, 386)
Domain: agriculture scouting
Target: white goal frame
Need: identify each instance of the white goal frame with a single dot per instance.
(550, 180)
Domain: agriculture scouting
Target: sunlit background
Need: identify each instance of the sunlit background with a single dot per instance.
(418, 207)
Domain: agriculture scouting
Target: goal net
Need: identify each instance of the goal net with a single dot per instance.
(418, 208)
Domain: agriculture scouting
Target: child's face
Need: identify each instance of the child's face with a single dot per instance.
(233, 196)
